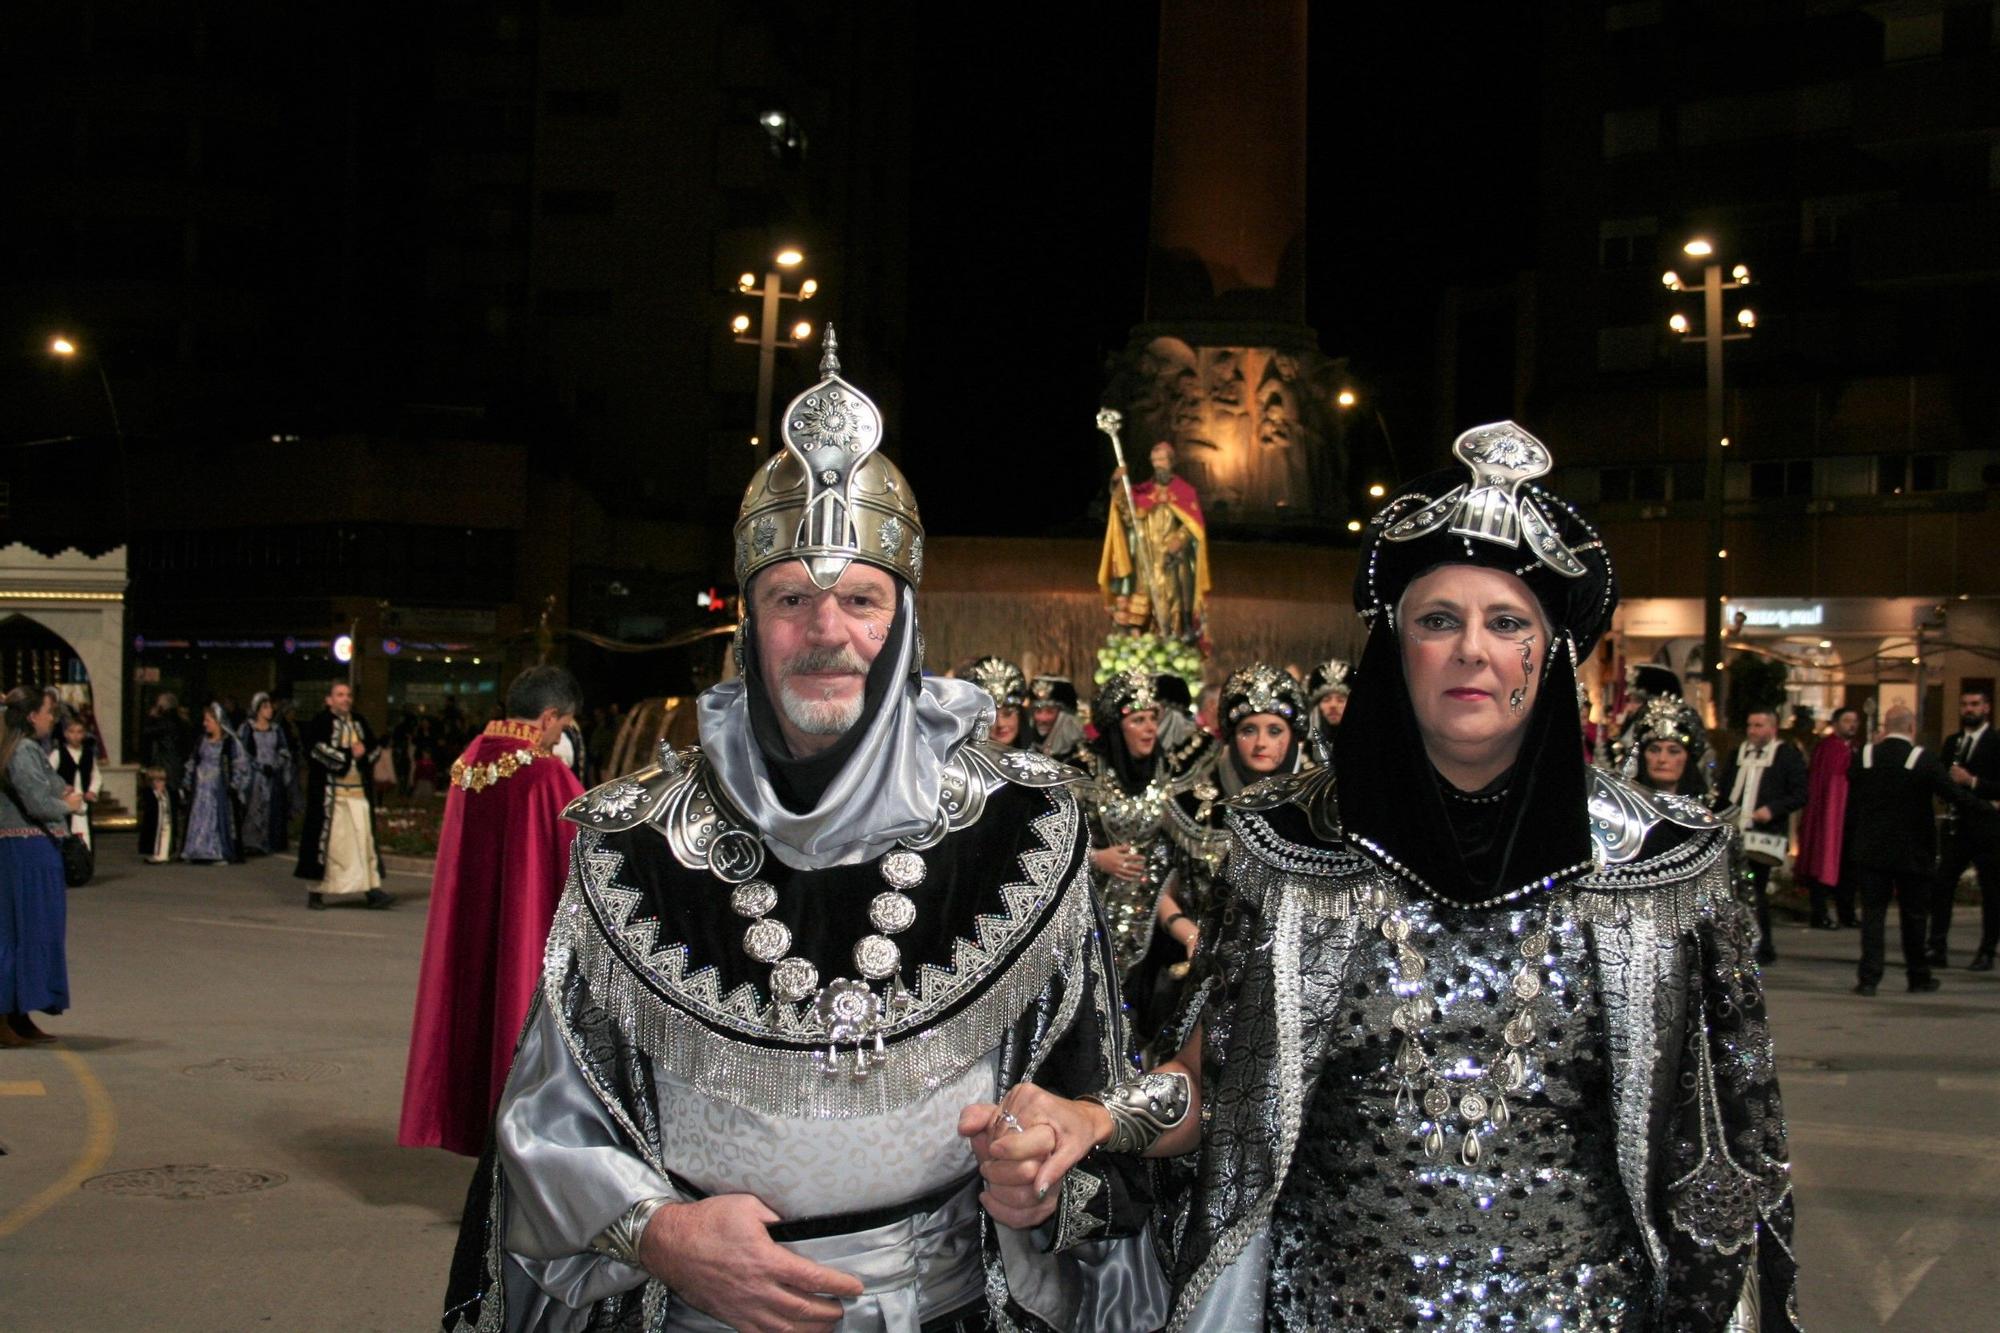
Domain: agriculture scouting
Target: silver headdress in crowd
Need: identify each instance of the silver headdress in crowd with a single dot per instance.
(1260, 688)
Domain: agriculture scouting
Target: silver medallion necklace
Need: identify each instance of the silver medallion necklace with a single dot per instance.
(1480, 1102)
(855, 1016)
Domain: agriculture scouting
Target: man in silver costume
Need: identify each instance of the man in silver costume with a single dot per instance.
(1479, 1040)
(791, 974)
(1327, 690)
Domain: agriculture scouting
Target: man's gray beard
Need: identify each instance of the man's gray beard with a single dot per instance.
(1162, 475)
(819, 717)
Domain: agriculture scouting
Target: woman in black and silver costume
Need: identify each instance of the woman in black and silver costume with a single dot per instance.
(1479, 1040)
(1008, 688)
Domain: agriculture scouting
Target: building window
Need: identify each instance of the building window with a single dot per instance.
(1912, 37)
(1624, 242)
(1777, 479)
(1627, 347)
(596, 102)
(1630, 131)
(579, 203)
(1640, 484)
(1632, 14)
(1901, 474)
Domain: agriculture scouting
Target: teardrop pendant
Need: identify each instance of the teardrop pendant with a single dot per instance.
(1468, 1151)
(1434, 1143)
(1517, 1070)
(1501, 1115)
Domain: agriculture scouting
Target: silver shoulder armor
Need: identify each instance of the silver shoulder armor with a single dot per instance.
(1622, 813)
(1023, 768)
(627, 802)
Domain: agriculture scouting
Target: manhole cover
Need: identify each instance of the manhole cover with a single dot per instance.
(265, 1071)
(185, 1182)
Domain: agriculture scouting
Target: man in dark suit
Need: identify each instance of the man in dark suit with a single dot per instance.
(1890, 843)
(1972, 830)
(1763, 783)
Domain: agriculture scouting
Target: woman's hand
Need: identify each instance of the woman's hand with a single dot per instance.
(1025, 1147)
(1121, 862)
(72, 800)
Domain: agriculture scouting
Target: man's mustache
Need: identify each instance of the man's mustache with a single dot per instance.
(826, 661)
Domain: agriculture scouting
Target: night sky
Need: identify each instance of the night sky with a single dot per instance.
(1033, 164)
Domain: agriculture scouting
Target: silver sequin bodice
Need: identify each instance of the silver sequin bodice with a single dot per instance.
(1371, 1232)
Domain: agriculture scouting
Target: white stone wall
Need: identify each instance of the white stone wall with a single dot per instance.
(81, 598)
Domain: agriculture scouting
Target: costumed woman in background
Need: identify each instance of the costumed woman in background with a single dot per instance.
(75, 763)
(34, 967)
(1668, 749)
(1003, 681)
(1263, 716)
(1480, 1041)
(215, 785)
(1058, 729)
(268, 811)
(1327, 688)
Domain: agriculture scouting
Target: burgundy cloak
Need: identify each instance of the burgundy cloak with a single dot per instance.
(502, 857)
(1826, 810)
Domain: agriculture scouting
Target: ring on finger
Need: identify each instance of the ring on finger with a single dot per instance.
(1012, 1121)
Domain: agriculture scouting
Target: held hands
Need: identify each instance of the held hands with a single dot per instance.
(1121, 862)
(717, 1256)
(72, 800)
(1025, 1146)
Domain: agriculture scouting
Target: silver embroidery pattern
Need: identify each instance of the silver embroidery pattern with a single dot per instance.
(627, 972)
(890, 535)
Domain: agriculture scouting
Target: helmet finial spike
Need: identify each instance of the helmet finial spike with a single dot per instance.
(829, 357)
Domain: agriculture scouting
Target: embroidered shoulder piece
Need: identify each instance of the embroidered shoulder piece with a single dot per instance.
(630, 801)
(1622, 813)
(1313, 791)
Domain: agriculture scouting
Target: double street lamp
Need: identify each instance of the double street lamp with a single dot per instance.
(1714, 333)
(769, 338)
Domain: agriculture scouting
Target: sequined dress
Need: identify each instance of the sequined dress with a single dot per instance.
(1371, 1232)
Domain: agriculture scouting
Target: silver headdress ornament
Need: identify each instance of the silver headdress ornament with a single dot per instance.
(1261, 688)
(1002, 680)
(830, 497)
(1491, 507)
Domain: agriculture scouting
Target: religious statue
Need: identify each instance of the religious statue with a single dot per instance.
(1154, 571)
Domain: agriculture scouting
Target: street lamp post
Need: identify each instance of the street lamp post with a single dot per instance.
(65, 348)
(769, 338)
(1713, 335)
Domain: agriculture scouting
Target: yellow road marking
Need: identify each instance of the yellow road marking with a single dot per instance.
(23, 1087)
(100, 1132)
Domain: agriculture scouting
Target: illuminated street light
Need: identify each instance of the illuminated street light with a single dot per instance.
(747, 283)
(789, 257)
(1741, 273)
(62, 346)
(808, 289)
(1722, 554)
(1698, 248)
(1671, 280)
(1377, 491)
(1346, 398)
(741, 324)
(1354, 525)
(769, 335)
(801, 331)
(1679, 323)
(1747, 317)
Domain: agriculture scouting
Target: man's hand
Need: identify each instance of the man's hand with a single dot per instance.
(717, 1256)
(1963, 775)
(358, 749)
(1761, 815)
(1024, 1168)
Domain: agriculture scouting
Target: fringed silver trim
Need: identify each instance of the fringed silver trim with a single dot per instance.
(923, 1054)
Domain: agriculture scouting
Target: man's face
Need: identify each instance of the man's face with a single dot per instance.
(1333, 708)
(552, 723)
(340, 699)
(1847, 725)
(1761, 728)
(1974, 710)
(1045, 717)
(814, 645)
(1163, 458)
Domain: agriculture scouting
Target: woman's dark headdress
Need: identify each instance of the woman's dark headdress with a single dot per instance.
(1491, 512)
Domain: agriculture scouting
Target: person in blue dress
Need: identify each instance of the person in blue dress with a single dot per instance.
(214, 787)
(34, 810)
(268, 755)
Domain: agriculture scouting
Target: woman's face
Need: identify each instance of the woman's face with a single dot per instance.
(1666, 761)
(1142, 732)
(1473, 643)
(43, 719)
(73, 735)
(1006, 725)
(211, 726)
(1261, 742)
(265, 711)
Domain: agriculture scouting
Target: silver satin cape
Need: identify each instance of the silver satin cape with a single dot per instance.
(593, 1118)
